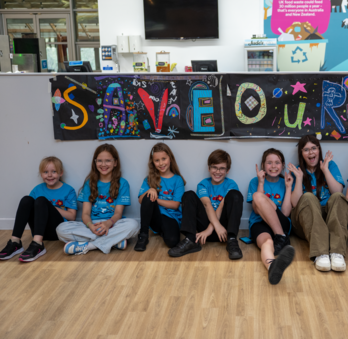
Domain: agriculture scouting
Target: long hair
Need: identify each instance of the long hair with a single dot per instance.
(319, 175)
(276, 152)
(154, 177)
(54, 160)
(94, 174)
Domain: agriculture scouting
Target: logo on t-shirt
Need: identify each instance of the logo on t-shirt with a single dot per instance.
(166, 195)
(58, 203)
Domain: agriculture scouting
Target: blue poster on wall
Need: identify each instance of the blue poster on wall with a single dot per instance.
(311, 35)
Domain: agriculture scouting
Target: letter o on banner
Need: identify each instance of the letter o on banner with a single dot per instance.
(238, 105)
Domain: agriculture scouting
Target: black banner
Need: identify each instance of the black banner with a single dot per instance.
(199, 106)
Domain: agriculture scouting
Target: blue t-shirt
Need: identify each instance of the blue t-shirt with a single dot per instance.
(216, 193)
(325, 192)
(171, 189)
(104, 206)
(273, 190)
(63, 197)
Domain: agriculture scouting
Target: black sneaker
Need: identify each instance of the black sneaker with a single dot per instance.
(232, 247)
(278, 265)
(33, 252)
(11, 249)
(280, 241)
(184, 247)
(143, 240)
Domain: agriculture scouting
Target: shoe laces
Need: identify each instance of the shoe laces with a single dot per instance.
(84, 249)
(232, 244)
(183, 242)
(323, 256)
(336, 255)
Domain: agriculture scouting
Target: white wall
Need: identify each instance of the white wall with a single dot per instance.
(26, 136)
(238, 20)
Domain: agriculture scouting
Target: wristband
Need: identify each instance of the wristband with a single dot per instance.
(111, 220)
(89, 222)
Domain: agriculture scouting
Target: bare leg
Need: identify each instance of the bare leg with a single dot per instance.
(265, 243)
(266, 208)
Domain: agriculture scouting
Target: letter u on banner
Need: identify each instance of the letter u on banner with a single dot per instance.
(238, 105)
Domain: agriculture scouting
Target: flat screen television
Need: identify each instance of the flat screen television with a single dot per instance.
(181, 19)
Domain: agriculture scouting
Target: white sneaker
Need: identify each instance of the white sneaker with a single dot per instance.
(337, 262)
(322, 263)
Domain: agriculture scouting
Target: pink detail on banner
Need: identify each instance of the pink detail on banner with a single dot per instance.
(343, 118)
(115, 107)
(208, 121)
(207, 101)
(274, 120)
(285, 13)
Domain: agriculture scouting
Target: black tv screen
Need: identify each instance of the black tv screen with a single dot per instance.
(181, 19)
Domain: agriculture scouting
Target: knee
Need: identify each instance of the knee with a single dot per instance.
(27, 200)
(61, 229)
(41, 201)
(134, 226)
(147, 201)
(336, 196)
(188, 196)
(234, 196)
(258, 197)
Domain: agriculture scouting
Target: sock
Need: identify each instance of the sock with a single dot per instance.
(191, 236)
(231, 236)
(16, 241)
(91, 246)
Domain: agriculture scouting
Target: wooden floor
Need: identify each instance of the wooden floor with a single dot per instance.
(128, 294)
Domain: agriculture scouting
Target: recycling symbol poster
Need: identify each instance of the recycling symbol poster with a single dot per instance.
(311, 34)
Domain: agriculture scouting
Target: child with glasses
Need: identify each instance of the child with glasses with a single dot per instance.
(47, 205)
(213, 213)
(269, 223)
(104, 195)
(320, 213)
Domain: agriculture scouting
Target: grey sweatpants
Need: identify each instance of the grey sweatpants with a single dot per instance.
(77, 231)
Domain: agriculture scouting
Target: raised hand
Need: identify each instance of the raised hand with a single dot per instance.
(324, 165)
(288, 180)
(296, 171)
(260, 175)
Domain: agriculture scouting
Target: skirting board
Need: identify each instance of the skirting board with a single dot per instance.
(7, 223)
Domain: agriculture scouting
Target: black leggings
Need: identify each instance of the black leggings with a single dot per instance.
(167, 227)
(195, 219)
(42, 216)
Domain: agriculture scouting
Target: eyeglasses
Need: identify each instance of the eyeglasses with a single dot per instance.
(106, 162)
(313, 149)
(218, 169)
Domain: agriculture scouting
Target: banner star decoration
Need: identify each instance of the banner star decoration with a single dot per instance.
(298, 87)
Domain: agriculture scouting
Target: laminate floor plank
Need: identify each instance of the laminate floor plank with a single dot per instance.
(129, 294)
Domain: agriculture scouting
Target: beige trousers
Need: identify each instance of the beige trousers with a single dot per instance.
(325, 228)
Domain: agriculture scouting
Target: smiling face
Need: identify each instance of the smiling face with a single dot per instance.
(218, 173)
(161, 161)
(310, 154)
(105, 164)
(51, 177)
(273, 166)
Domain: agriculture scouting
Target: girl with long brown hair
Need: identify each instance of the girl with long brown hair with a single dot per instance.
(320, 213)
(104, 195)
(269, 223)
(160, 196)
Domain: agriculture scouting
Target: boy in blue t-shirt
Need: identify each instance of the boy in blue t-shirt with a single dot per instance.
(213, 213)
